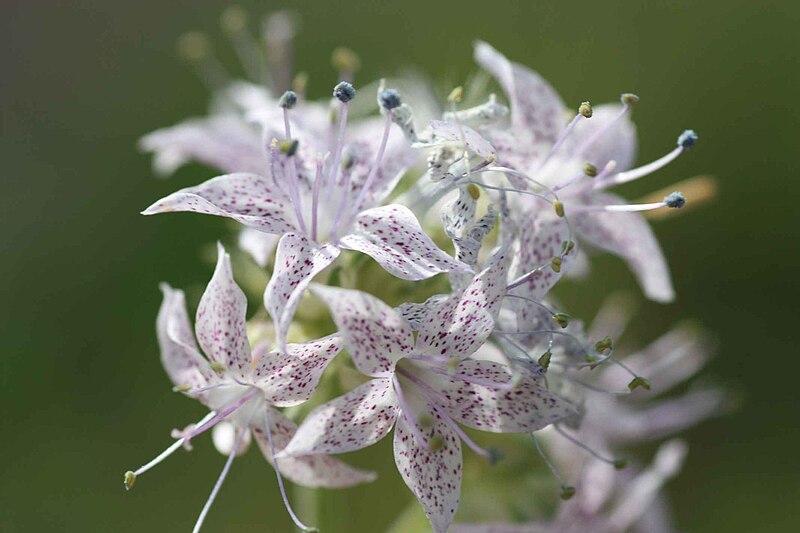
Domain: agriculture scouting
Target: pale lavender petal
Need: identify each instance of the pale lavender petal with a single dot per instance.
(297, 261)
(535, 106)
(375, 334)
(292, 377)
(258, 244)
(415, 313)
(224, 142)
(221, 319)
(453, 132)
(315, 471)
(526, 407)
(541, 238)
(433, 476)
(629, 236)
(356, 420)
(394, 238)
(499, 527)
(459, 327)
(459, 213)
(247, 198)
(618, 143)
(179, 352)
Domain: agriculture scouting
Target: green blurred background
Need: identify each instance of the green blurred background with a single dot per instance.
(83, 395)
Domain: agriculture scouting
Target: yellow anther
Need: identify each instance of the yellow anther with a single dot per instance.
(558, 205)
(456, 95)
(130, 479)
(474, 191)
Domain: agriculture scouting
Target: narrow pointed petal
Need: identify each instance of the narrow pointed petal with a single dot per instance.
(226, 143)
(179, 352)
(356, 420)
(394, 238)
(452, 132)
(460, 326)
(459, 213)
(247, 198)
(315, 471)
(618, 143)
(527, 407)
(258, 244)
(415, 313)
(291, 377)
(535, 106)
(297, 261)
(541, 238)
(221, 319)
(629, 236)
(433, 476)
(375, 334)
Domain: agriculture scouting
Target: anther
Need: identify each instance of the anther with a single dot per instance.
(435, 443)
(555, 264)
(344, 91)
(130, 479)
(567, 247)
(604, 345)
(344, 60)
(288, 100)
(300, 82)
(233, 19)
(629, 99)
(389, 99)
(590, 170)
(425, 420)
(558, 205)
(456, 95)
(567, 492)
(194, 46)
(216, 366)
(687, 139)
(474, 191)
(638, 382)
(585, 109)
(675, 200)
(182, 388)
(289, 148)
(562, 319)
(544, 359)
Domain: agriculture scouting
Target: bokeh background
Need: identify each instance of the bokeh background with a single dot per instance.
(82, 394)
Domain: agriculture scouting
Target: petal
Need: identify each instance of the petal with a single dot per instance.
(221, 319)
(291, 377)
(247, 198)
(460, 326)
(375, 334)
(393, 237)
(433, 476)
(415, 313)
(618, 143)
(226, 143)
(541, 238)
(179, 352)
(356, 420)
(473, 139)
(309, 471)
(629, 236)
(535, 106)
(527, 407)
(297, 261)
(258, 244)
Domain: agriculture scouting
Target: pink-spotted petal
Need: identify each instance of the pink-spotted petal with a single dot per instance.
(297, 261)
(526, 407)
(453, 132)
(535, 106)
(179, 352)
(460, 326)
(291, 377)
(375, 334)
(394, 238)
(226, 143)
(221, 319)
(541, 238)
(356, 420)
(617, 143)
(249, 199)
(315, 471)
(629, 236)
(432, 470)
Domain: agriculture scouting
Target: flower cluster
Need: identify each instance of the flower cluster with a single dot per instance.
(517, 191)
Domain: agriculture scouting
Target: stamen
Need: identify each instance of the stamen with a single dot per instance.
(315, 196)
(628, 101)
(460, 432)
(585, 112)
(675, 201)
(567, 491)
(344, 92)
(374, 170)
(346, 62)
(686, 140)
(278, 33)
(408, 413)
(509, 189)
(195, 47)
(286, 503)
(234, 23)
(201, 428)
(218, 484)
(130, 477)
(616, 463)
(287, 101)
